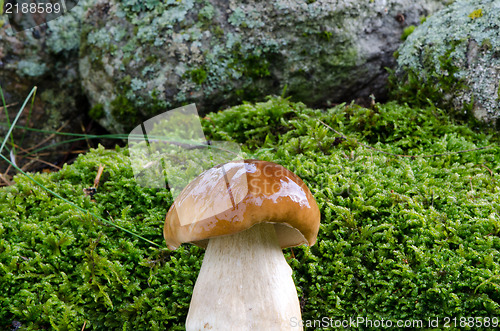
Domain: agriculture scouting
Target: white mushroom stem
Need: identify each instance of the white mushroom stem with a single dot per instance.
(245, 283)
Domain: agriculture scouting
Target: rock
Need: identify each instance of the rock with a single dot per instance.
(47, 57)
(140, 58)
(454, 60)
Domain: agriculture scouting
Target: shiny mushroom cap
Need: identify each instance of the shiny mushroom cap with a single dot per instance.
(232, 197)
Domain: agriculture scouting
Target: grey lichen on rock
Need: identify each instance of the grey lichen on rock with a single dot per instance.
(453, 59)
(139, 58)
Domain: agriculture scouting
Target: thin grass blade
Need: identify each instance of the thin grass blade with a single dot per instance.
(17, 118)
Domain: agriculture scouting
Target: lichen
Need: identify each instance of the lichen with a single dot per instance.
(65, 30)
(32, 68)
(137, 84)
(207, 13)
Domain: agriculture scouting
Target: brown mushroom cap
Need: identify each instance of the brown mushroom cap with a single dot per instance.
(234, 196)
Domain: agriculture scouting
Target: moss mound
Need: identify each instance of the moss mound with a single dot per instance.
(401, 237)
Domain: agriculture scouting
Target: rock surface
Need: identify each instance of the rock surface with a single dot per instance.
(141, 58)
(454, 60)
(47, 57)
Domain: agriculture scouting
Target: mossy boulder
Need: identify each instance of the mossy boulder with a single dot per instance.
(410, 227)
(47, 57)
(453, 59)
(140, 58)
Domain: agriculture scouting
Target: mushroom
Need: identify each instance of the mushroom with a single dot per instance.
(244, 213)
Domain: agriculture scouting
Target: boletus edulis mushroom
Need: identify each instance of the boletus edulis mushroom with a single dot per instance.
(244, 213)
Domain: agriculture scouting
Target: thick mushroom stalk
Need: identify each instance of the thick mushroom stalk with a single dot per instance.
(245, 283)
(244, 213)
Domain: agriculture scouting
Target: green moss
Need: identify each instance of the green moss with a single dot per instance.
(124, 107)
(255, 66)
(248, 64)
(407, 31)
(87, 49)
(320, 34)
(218, 32)
(486, 44)
(97, 111)
(419, 89)
(126, 60)
(345, 56)
(152, 58)
(198, 75)
(123, 110)
(448, 76)
(401, 237)
(157, 105)
(124, 83)
(326, 35)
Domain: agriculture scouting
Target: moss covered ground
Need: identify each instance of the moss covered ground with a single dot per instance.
(410, 225)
